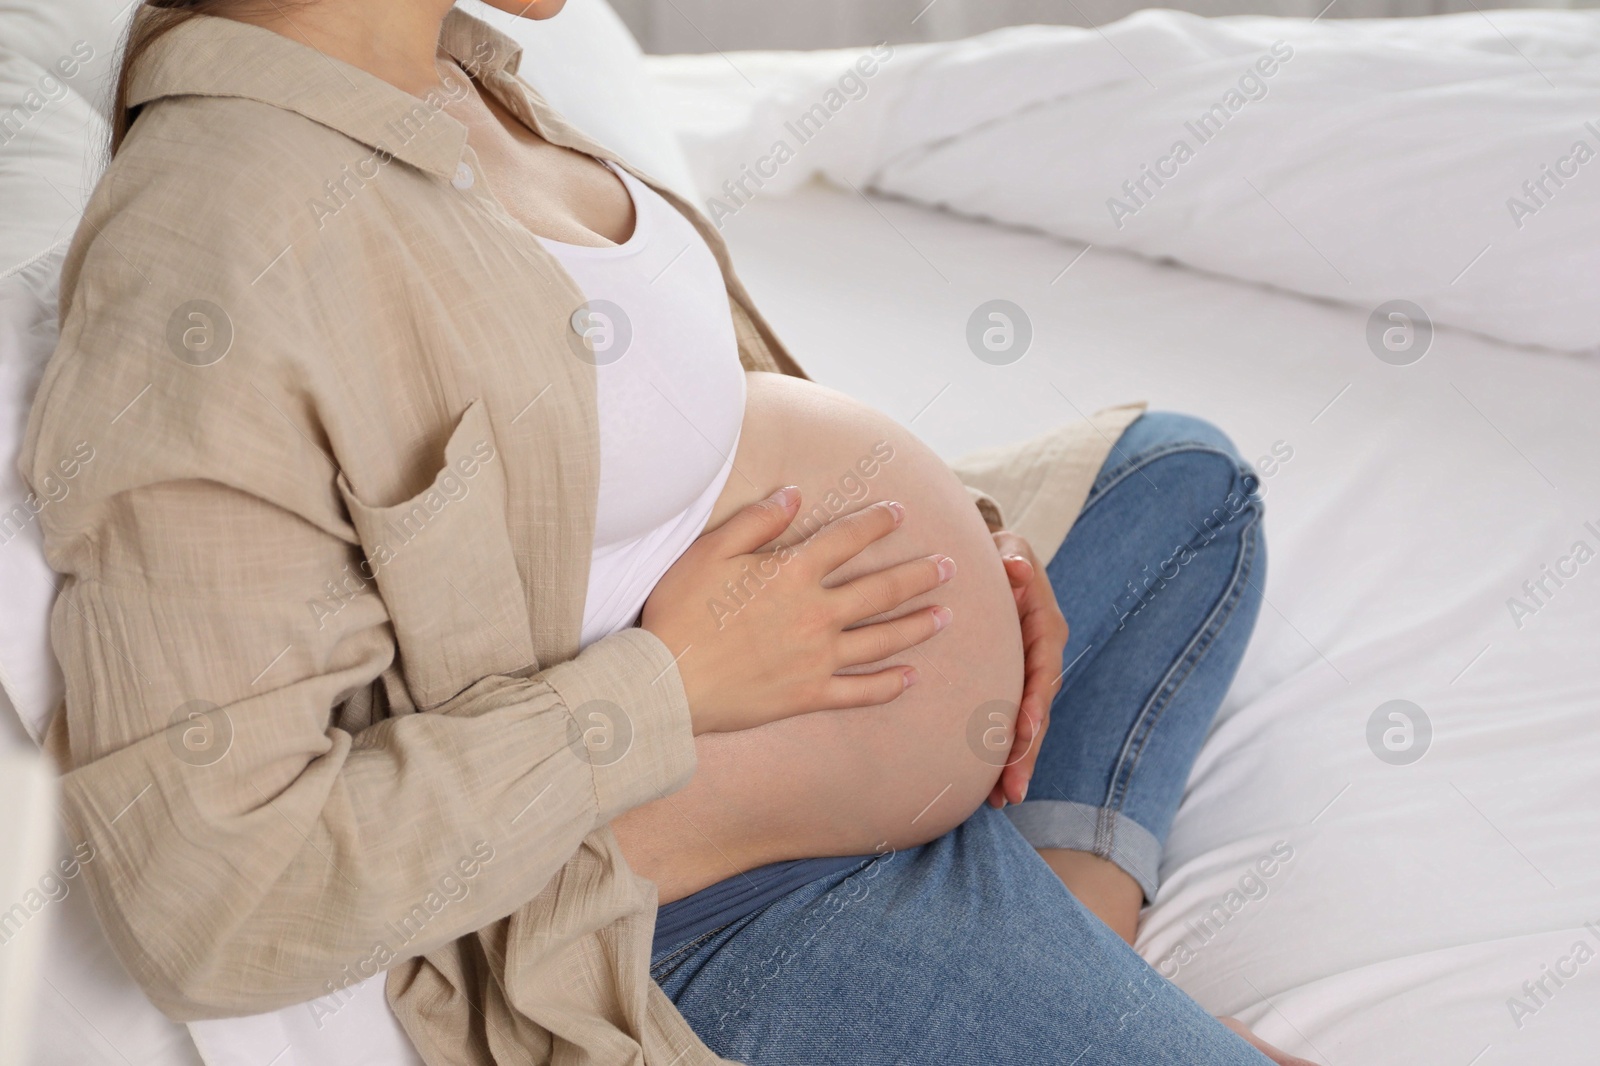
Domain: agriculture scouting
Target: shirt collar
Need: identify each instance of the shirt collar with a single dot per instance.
(212, 56)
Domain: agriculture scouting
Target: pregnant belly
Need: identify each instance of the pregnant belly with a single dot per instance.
(852, 781)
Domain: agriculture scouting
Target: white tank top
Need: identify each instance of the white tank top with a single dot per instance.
(670, 397)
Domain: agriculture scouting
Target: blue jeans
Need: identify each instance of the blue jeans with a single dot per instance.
(969, 949)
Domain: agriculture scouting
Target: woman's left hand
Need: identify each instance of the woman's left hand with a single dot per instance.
(1044, 638)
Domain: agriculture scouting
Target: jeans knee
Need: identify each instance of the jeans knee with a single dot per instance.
(1161, 430)
(1193, 464)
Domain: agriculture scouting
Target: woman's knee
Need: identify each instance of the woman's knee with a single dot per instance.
(1186, 465)
(1166, 430)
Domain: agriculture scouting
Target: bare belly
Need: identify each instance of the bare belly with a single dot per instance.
(853, 781)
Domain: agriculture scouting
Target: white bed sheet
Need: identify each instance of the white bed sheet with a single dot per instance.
(1418, 499)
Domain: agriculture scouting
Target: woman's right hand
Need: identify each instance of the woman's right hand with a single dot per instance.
(775, 651)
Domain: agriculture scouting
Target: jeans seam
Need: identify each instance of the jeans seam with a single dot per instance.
(1199, 645)
(682, 949)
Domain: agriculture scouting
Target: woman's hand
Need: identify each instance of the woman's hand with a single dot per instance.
(1044, 638)
(760, 638)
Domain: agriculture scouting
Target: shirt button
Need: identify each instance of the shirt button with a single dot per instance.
(463, 179)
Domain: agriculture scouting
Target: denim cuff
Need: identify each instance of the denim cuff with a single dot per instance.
(1098, 830)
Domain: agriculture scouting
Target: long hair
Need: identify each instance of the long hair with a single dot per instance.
(153, 20)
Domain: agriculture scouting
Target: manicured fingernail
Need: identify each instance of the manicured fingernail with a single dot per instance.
(941, 618)
(947, 568)
(910, 675)
(785, 496)
(898, 511)
(1024, 795)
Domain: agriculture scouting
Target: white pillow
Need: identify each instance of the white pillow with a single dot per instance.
(50, 139)
(47, 165)
(28, 671)
(47, 31)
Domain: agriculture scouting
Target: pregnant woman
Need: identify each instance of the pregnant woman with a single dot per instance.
(465, 569)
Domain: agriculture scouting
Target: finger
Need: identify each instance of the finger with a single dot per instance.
(867, 690)
(1018, 768)
(1020, 593)
(1045, 645)
(1019, 775)
(1030, 734)
(1041, 676)
(844, 538)
(1018, 570)
(997, 798)
(872, 643)
(1020, 762)
(1013, 789)
(1033, 717)
(755, 524)
(881, 592)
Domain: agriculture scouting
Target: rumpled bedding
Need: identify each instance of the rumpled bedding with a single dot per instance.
(1446, 161)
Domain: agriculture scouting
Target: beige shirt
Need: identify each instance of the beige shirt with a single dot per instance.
(324, 568)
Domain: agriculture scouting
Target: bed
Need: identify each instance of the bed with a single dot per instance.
(1389, 851)
(1405, 507)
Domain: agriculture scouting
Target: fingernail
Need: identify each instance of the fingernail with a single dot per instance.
(785, 496)
(947, 568)
(910, 676)
(1024, 791)
(941, 618)
(898, 511)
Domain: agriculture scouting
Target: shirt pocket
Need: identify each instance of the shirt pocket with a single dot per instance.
(445, 567)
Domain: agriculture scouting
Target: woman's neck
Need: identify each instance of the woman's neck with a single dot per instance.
(395, 40)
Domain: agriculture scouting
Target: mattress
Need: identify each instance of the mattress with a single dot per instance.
(1389, 850)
